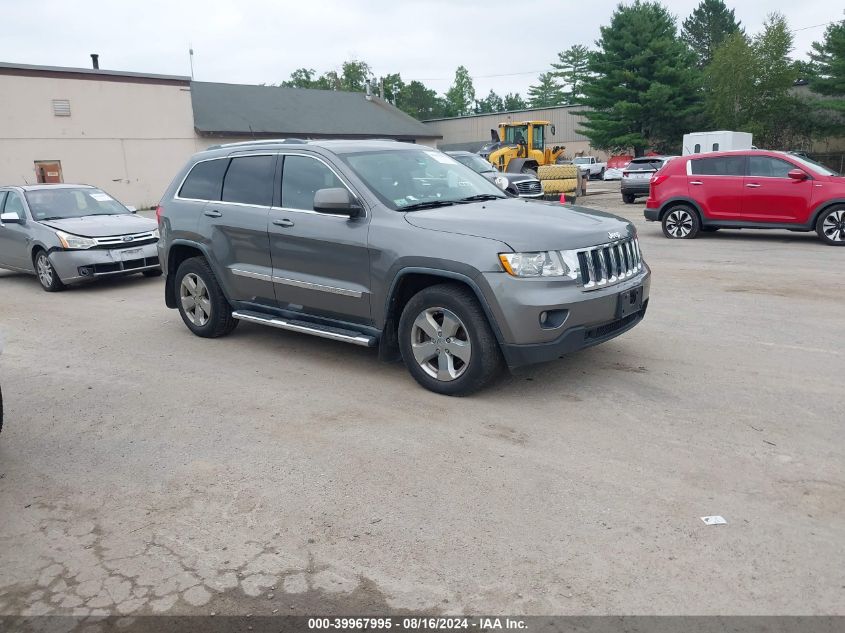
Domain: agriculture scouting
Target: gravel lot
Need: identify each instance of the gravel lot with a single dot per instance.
(144, 470)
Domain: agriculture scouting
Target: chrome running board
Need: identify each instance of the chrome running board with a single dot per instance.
(304, 327)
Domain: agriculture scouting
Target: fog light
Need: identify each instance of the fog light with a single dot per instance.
(543, 317)
(86, 271)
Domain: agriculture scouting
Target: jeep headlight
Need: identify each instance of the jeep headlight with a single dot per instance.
(542, 264)
(501, 182)
(74, 241)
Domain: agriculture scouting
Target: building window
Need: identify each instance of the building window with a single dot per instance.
(61, 107)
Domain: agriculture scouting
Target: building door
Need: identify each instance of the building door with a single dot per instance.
(48, 171)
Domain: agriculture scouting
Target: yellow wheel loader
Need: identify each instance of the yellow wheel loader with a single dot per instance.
(523, 147)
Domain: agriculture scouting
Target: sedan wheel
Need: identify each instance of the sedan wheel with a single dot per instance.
(680, 223)
(47, 275)
(196, 303)
(441, 344)
(831, 226)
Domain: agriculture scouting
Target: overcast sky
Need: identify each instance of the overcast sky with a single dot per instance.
(262, 41)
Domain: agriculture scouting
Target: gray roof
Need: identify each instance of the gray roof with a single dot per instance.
(271, 110)
(6, 68)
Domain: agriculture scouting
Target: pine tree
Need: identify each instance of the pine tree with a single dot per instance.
(491, 103)
(461, 95)
(707, 27)
(572, 69)
(645, 89)
(546, 93)
(514, 101)
(828, 58)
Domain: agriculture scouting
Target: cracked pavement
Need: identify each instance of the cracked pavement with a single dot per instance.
(147, 471)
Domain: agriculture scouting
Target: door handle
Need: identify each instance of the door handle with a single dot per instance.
(696, 182)
(212, 213)
(284, 222)
(753, 185)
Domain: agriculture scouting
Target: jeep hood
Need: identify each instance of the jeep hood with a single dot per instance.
(103, 225)
(524, 225)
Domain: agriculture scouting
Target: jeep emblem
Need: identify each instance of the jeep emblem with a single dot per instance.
(614, 235)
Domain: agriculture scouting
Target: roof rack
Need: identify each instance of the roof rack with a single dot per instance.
(272, 141)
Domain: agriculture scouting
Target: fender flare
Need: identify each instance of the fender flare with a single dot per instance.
(820, 208)
(688, 201)
(448, 274)
(169, 290)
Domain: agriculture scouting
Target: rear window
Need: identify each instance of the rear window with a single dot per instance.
(718, 166)
(249, 180)
(205, 180)
(641, 164)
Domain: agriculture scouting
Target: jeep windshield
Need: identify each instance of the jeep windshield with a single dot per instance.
(419, 178)
(66, 202)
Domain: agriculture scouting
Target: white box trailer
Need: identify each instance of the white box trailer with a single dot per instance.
(701, 142)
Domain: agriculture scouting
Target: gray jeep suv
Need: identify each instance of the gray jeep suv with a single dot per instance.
(394, 245)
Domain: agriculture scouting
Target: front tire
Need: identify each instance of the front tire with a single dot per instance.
(202, 305)
(680, 223)
(628, 198)
(831, 226)
(446, 341)
(47, 275)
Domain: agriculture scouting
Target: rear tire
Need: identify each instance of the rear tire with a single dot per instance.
(628, 198)
(680, 223)
(446, 341)
(831, 226)
(47, 275)
(202, 305)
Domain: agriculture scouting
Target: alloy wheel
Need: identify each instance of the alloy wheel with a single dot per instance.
(193, 293)
(833, 226)
(45, 270)
(440, 343)
(679, 223)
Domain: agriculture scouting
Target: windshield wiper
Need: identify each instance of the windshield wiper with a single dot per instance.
(430, 204)
(481, 196)
(52, 217)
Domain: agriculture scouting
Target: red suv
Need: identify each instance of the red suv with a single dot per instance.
(747, 189)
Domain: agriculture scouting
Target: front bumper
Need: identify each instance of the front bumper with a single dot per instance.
(77, 265)
(575, 318)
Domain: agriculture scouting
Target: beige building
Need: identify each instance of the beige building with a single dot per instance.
(471, 132)
(129, 133)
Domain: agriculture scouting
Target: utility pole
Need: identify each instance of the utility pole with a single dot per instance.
(191, 58)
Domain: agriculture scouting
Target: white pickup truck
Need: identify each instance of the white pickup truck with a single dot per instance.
(591, 166)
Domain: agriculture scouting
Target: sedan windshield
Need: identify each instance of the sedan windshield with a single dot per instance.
(475, 163)
(66, 202)
(418, 178)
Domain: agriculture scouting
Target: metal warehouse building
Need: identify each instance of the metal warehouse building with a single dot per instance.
(129, 133)
(471, 132)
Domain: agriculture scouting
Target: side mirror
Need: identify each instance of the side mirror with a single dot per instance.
(797, 174)
(337, 200)
(11, 217)
(553, 129)
(132, 209)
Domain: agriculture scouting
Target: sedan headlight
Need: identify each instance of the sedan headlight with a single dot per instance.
(501, 182)
(156, 234)
(542, 264)
(74, 241)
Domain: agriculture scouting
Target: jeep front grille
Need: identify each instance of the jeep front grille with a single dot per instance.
(609, 264)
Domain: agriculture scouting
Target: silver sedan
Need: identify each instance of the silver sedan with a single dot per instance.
(70, 233)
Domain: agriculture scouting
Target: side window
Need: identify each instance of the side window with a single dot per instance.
(205, 180)
(2, 200)
(767, 167)
(538, 137)
(14, 204)
(697, 148)
(715, 147)
(249, 180)
(719, 166)
(301, 178)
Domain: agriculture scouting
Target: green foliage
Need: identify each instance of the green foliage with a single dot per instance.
(828, 76)
(707, 27)
(491, 103)
(514, 101)
(420, 102)
(644, 89)
(354, 75)
(546, 93)
(301, 78)
(750, 88)
(392, 85)
(572, 68)
(461, 95)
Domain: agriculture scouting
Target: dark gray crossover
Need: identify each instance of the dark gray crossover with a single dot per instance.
(70, 233)
(522, 185)
(394, 245)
